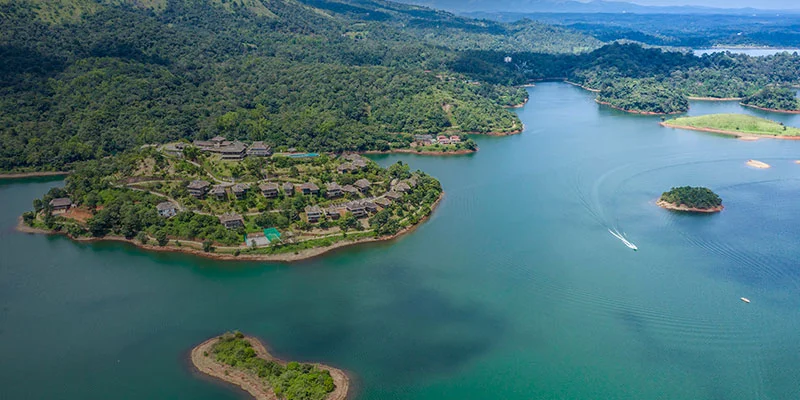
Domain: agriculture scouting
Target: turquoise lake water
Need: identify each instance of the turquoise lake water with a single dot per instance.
(514, 289)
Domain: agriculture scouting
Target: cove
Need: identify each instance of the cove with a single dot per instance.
(514, 289)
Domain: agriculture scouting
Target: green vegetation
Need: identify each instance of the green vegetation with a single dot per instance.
(774, 98)
(293, 381)
(736, 124)
(643, 95)
(719, 75)
(83, 79)
(692, 197)
(118, 196)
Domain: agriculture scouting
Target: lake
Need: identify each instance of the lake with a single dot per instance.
(514, 289)
(755, 52)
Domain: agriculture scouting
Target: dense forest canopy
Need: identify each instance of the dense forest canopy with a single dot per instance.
(83, 79)
(774, 98)
(693, 197)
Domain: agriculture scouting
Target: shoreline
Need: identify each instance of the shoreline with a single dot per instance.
(582, 87)
(700, 98)
(598, 101)
(251, 383)
(520, 105)
(186, 248)
(742, 135)
(19, 175)
(683, 208)
(770, 109)
(423, 153)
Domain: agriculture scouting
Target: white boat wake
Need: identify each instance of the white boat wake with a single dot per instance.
(625, 241)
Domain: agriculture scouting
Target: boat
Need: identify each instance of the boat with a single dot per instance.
(746, 300)
(625, 241)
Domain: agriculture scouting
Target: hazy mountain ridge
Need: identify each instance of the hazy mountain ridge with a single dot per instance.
(594, 6)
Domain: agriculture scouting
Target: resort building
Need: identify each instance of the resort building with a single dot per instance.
(350, 189)
(402, 187)
(362, 185)
(198, 188)
(235, 151)
(309, 188)
(455, 139)
(313, 214)
(259, 149)
(219, 192)
(392, 195)
(357, 209)
(288, 188)
(332, 212)
(167, 209)
(231, 221)
(269, 189)
(332, 189)
(240, 189)
(60, 205)
(383, 202)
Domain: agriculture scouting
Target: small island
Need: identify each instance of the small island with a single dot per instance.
(245, 362)
(222, 199)
(739, 125)
(774, 99)
(691, 199)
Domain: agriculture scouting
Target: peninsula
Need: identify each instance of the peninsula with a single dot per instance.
(691, 199)
(243, 361)
(227, 200)
(739, 125)
(774, 99)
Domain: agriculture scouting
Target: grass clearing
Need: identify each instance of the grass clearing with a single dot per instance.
(735, 124)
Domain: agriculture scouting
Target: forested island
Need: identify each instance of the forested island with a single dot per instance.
(642, 97)
(774, 99)
(215, 200)
(691, 199)
(739, 125)
(243, 361)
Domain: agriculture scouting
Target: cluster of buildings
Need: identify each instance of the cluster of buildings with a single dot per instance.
(429, 140)
(354, 163)
(232, 150)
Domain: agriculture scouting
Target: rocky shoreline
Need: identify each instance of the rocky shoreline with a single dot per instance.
(605, 103)
(20, 175)
(770, 109)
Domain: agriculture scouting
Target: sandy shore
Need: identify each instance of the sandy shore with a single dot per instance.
(423, 153)
(195, 248)
(771, 109)
(250, 382)
(695, 98)
(634, 111)
(741, 135)
(19, 175)
(684, 208)
(758, 164)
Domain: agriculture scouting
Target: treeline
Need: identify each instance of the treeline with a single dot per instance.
(774, 98)
(694, 197)
(82, 85)
(618, 66)
(643, 95)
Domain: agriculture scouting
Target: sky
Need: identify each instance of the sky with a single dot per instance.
(761, 4)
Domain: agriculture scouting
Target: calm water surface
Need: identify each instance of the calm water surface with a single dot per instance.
(513, 290)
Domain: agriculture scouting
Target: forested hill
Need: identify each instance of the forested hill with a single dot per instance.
(82, 79)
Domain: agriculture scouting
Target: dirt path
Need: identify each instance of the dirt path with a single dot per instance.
(251, 383)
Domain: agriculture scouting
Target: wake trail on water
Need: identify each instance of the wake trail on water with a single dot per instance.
(595, 209)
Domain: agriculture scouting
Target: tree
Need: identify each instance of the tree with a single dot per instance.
(142, 237)
(161, 237)
(208, 246)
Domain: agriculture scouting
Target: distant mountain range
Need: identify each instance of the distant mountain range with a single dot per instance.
(571, 6)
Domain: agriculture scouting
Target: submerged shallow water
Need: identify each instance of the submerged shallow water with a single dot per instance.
(514, 289)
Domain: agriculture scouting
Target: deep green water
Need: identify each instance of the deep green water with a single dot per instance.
(513, 290)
